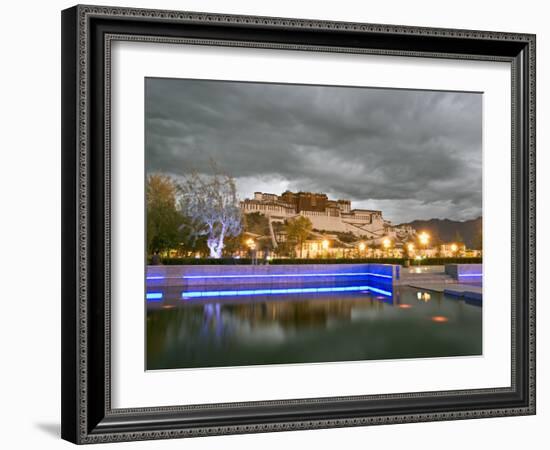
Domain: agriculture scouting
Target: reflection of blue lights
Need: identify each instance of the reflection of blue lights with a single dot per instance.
(153, 296)
(284, 275)
(470, 274)
(155, 277)
(196, 294)
(379, 291)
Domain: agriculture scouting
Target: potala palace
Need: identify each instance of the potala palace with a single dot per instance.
(326, 215)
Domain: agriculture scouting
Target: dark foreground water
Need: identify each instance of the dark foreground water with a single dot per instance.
(306, 328)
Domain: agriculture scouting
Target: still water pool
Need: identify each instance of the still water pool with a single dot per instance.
(309, 327)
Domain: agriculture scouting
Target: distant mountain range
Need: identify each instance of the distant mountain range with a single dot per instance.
(445, 230)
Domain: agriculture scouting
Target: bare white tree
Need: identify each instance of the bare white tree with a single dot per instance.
(212, 205)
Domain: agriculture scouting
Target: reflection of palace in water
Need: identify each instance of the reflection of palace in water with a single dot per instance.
(299, 314)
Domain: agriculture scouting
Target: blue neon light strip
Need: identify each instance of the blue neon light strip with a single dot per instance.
(379, 291)
(470, 274)
(282, 275)
(153, 296)
(196, 294)
(155, 277)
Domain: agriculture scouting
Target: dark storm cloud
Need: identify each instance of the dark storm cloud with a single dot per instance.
(417, 153)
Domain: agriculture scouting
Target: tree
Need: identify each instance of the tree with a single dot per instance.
(347, 237)
(163, 219)
(211, 205)
(286, 248)
(233, 244)
(189, 239)
(298, 230)
(409, 247)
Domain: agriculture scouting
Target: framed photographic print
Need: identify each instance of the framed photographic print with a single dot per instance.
(278, 224)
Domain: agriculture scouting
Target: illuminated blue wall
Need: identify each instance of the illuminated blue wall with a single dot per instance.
(227, 281)
(276, 275)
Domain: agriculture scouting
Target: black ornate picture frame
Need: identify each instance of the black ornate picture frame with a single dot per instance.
(87, 35)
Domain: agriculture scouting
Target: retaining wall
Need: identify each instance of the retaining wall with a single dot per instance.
(465, 272)
(272, 275)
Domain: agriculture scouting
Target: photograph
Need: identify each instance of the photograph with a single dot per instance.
(273, 223)
(294, 223)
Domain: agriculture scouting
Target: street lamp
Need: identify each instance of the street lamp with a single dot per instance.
(362, 247)
(410, 254)
(386, 243)
(424, 238)
(454, 248)
(252, 246)
(324, 245)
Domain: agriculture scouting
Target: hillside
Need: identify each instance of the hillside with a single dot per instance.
(445, 230)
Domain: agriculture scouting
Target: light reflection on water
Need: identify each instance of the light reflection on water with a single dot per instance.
(319, 327)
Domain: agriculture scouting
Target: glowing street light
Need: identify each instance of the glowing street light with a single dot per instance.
(424, 238)
(454, 248)
(251, 244)
(410, 247)
(325, 244)
(362, 246)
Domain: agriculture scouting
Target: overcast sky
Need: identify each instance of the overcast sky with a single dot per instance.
(412, 154)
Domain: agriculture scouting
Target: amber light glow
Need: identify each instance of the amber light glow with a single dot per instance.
(425, 296)
(251, 244)
(439, 319)
(424, 238)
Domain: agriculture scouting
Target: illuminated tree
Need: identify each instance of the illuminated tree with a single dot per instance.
(210, 204)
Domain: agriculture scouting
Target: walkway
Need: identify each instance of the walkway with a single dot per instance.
(434, 278)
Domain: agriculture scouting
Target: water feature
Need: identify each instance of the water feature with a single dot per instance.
(249, 325)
